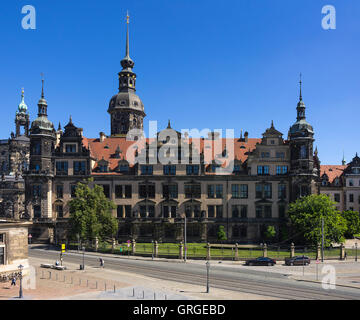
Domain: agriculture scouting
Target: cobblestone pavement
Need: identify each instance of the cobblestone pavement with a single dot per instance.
(96, 283)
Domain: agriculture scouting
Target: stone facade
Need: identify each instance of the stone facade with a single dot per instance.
(13, 246)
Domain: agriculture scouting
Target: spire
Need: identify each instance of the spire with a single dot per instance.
(22, 108)
(272, 124)
(59, 127)
(42, 104)
(301, 105)
(169, 125)
(127, 63)
(343, 162)
(300, 98)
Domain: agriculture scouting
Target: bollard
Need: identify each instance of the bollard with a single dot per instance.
(236, 252)
(265, 250)
(133, 292)
(181, 251)
(292, 250)
(42, 274)
(208, 248)
(143, 295)
(342, 252)
(49, 275)
(165, 297)
(156, 249)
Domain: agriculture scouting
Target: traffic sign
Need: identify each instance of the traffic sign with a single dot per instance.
(63, 248)
(30, 236)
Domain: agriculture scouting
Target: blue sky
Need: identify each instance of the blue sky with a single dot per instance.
(201, 63)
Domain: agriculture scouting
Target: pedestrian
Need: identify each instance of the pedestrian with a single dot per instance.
(345, 256)
(101, 262)
(13, 281)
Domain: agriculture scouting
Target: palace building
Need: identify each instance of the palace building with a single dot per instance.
(153, 196)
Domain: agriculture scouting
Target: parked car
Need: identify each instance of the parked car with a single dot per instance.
(261, 261)
(297, 261)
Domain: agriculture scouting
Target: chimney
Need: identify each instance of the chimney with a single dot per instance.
(80, 132)
(246, 136)
(102, 136)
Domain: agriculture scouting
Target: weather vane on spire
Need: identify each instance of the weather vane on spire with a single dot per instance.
(127, 17)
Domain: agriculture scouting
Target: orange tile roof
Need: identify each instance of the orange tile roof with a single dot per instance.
(332, 171)
(106, 149)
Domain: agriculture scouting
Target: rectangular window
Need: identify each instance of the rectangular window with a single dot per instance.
(211, 211)
(282, 191)
(280, 155)
(192, 170)
(263, 170)
(243, 211)
(266, 170)
(219, 191)
(337, 197)
(235, 190)
(267, 191)
(211, 191)
(37, 191)
(118, 192)
(146, 170)
(284, 169)
(170, 170)
(265, 154)
(70, 148)
(151, 211)
(267, 210)
(258, 210)
(2, 238)
(59, 191)
(37, 211)
(73, 190)
(37, 148)
(259, 170)
(243, 191)
(258, 192)
(62, 168)
(193, 191)
(119, 211)
(2, 255)
(351, 197)
(127, 211)
(60, 211)
(143, 211)
(79, 168)
(147, 191)
(219, 211)
(128, 191)
(235, 211)
(172, 191)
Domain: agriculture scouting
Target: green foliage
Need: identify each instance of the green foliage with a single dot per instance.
(306, 215)
(90, 213)
(270, 232)
(353, 223)
(221, 234)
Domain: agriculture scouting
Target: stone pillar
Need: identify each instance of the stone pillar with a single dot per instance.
(96, 244)
(318, 252)
(342, 252)
(265, 250)
(292, 250)
(208, 255)
(113, 245)
(236, 252)
(181, 250)
(133, 247)
(156, 249)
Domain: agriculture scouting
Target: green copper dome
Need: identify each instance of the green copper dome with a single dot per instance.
(22, 108)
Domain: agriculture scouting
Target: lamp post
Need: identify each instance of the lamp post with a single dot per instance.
(20, 267)
(356, 251)
(207, 276)
(185, 247)
(152, 246)
(83, 265)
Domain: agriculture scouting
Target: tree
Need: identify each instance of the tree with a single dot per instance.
(353, 223)
(221, 234)
(270, 232)
(306, 217)
(90, 213)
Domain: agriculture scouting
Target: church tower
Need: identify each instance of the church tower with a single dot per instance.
(301, 138)
(126, 108)
(38, 180)
(22, 118)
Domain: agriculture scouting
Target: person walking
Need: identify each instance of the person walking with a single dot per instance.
(101, 262)
(13, 281)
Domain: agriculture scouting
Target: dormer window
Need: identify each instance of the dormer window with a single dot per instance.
(265, 154)
(123, 168)
(103, 168)
(70, 148)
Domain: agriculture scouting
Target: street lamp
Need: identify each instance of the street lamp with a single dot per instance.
(20, 267)
(207, 276)
(83, 265)
(152, 247)
(356, 251)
